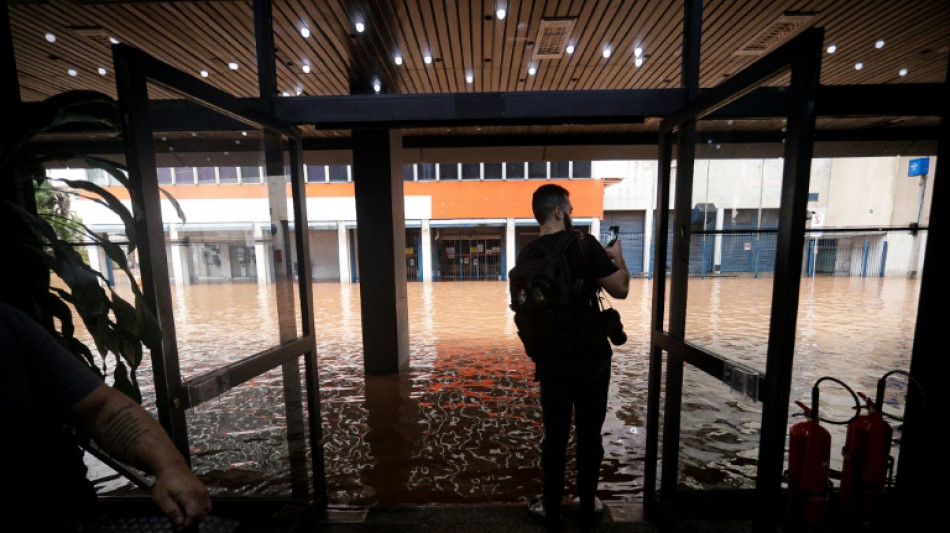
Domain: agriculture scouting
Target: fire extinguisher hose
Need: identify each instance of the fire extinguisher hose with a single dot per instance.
(814, 401)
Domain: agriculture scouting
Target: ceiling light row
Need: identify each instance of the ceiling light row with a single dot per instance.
(878, 44)
(832, 48)
(51, 38)
(73, 72)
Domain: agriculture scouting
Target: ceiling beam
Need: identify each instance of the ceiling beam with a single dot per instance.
(571, 107)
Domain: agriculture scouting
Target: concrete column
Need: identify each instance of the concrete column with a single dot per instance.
(717, 258)
(380, 218)
(648, 237)
(261, 256)
(595, 228)
(426, 255)
(225, 257)
(511, 245)
(343, 246)
(181, 277)
(96, 260)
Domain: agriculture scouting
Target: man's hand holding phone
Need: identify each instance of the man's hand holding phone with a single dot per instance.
(612, 235)
(612, 246)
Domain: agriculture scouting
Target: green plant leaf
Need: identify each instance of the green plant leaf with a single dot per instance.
(123, 382)
(175, 204)
(149, 328)
(128, 220)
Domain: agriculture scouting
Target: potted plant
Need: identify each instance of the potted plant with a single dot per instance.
(46, 239)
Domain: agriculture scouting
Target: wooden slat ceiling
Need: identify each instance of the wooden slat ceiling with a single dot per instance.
(465, 38)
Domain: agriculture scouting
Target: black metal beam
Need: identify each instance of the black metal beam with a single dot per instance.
(240, 112)
(805, 63)
(707, 361)
(897, 138)
(215, 383)
(480, 109)
(686, 139)
(549, 108)
(311, 371)
(661, 223)
(266, 58)
(745, 82)
(921, 435)
(132, 89)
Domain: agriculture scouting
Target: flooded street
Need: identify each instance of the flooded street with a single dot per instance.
(464, 425)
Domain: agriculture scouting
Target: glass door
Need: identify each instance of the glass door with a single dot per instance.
(233, 297)
(713, 410)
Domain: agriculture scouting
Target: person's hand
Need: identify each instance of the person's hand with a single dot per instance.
(614, 251)
(182, 497)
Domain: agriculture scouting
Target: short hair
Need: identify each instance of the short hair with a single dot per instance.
(546, 198)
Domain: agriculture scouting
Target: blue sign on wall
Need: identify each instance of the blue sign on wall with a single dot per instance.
(918, 167)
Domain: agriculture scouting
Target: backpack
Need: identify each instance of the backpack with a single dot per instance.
(548, 302)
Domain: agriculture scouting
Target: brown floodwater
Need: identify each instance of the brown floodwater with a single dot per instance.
(464, 423)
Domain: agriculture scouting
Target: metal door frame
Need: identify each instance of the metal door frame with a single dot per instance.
(802, 57)
(134, 71)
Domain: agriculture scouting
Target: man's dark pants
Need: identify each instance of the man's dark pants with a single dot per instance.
(583, 391)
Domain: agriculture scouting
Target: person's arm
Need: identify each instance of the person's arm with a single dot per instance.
(618, 283)
(125, 430)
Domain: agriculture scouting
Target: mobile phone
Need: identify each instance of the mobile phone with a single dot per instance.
(612, 235)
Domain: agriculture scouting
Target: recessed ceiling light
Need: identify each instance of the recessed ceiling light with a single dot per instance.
(858, 66)
(103, 71)
(377, 87)
(638, 61)
(902, 72)
(298, 90)
(638, 51)
(305, 32)
(469, 78)
(427, 59)
(72, 72)
(501, 14)
(398, 59)
(532, 70)
(606, 52)
(832, 48)
(285, 93)
(204, 73)
(569, 49)
(360, 27)
(233, 65)
(244, 133)
(306, 68)
(113, 40)
(879, 44)
(50, 37)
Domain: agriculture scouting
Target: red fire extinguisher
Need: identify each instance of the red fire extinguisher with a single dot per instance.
(809, 456)
(809, 452)
(867, 465)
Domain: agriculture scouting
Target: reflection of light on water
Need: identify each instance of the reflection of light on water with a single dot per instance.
(464, 424)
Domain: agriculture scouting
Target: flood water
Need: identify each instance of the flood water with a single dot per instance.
(464, 424)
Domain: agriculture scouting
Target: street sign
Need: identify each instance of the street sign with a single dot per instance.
(918, 167)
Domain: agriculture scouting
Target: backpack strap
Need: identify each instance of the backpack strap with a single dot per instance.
(581, 286)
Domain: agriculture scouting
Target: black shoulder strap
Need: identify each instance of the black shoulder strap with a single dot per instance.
(587, 272)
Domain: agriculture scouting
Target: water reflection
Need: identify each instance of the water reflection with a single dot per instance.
(464, 424)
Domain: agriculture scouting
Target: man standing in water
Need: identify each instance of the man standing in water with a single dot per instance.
(577, 383)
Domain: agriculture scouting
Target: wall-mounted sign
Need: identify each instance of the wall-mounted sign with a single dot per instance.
(918, 167)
